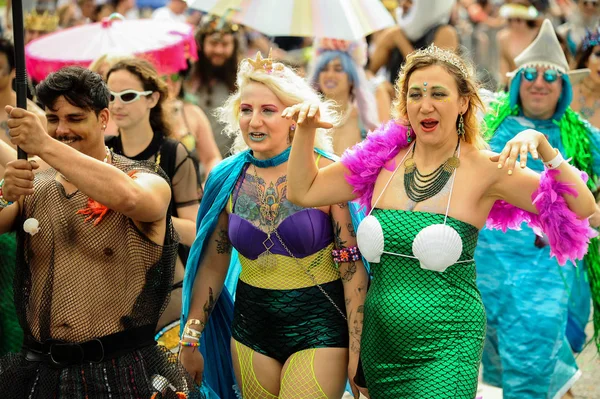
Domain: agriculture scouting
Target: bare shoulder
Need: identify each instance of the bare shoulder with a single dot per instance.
(479, 163)
(193, 109)
(503, 35)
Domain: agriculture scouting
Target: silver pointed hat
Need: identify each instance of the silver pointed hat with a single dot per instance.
(546, 51)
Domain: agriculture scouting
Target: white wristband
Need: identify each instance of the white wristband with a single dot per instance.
(185, 336)
(555, 162)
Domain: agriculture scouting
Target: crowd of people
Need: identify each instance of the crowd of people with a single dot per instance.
(404, 215)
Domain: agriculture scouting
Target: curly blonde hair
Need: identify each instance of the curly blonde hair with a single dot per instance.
(463, 73)
(289, 88)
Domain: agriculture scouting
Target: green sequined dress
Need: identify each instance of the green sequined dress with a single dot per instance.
(424, 330)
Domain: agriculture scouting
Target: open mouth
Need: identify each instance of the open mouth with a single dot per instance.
(257, 136)
(330, 84)
(429, 125)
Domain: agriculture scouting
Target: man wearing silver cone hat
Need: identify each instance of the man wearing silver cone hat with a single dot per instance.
(527, 295)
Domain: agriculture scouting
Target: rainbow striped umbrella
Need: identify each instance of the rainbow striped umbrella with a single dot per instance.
(337, 19)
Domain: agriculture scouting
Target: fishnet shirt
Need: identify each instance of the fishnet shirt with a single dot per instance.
(76, 281)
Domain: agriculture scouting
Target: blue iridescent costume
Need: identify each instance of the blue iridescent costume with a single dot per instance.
(529, 298)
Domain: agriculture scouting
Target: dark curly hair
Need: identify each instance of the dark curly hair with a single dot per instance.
(79, 86)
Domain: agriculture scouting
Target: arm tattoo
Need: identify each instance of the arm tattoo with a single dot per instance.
(210, 304)
(349, 272)
(223, 243)
(355, 331)
(351, 229)
(339, 243)
(342, 205)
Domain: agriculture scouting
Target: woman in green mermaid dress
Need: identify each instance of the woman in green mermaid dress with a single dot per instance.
(429, 188)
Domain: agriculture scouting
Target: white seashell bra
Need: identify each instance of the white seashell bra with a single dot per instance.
(437, 246)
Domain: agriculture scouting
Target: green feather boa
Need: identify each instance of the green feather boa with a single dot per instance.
(574, 133)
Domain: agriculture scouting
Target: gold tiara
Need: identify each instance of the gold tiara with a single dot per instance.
(264, 64)
(444, 55)
(45, 22)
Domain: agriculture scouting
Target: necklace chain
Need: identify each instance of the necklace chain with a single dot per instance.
(420, 187)
(267, 253)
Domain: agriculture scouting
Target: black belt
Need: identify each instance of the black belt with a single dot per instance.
(62, 354)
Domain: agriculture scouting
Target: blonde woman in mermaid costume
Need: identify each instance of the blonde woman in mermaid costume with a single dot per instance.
(298, 309)
(430, 186)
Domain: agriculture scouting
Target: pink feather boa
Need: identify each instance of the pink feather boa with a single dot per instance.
(366, 159)
(568, 236)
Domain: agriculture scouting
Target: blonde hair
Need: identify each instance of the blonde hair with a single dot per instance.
(289, 88)
(467, 88)
(106, 62)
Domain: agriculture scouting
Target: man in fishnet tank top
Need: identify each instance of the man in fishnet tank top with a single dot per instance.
(95, 255)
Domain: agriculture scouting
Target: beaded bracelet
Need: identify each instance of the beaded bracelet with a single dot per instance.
(350, 254)
(190, 344)
(3, 203)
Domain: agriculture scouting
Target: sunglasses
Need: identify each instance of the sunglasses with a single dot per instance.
(174, 77)
(550, 75)
(128, 96)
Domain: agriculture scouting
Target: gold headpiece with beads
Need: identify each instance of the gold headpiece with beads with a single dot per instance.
(264, 64)
(45, 22)
(212, 24)
(446, 56)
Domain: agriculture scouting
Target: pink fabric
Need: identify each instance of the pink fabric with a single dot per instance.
(166, 60)
(568, 236)
(366, 159)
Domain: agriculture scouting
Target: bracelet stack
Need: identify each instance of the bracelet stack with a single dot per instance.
(191, 334)
(3, 203)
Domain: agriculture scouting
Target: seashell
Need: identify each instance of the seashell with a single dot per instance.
(369, 237)
(437, 247)
(31, 226)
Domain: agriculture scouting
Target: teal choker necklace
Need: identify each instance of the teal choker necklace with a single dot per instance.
(271, 162)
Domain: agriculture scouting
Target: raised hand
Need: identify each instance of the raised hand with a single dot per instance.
(518, 147)
(26, 130)
(307, 115)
